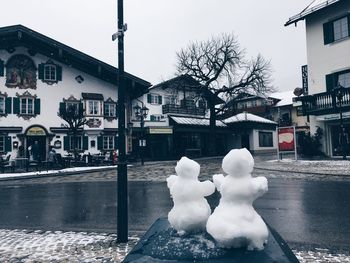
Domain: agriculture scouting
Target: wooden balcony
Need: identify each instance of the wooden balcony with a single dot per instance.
(325, 103)
(177, 109)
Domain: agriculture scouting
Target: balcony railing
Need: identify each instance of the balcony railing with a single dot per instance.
(177, 109)
(325, 103)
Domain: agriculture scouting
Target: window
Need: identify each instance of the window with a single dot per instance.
(340, 28)
(344, 79)
(27, 106)
(336, 30)
(50, 72)
(2, 105)
(78, 145)
(265, 139)
(156, 117)
(154, 99)
(170, 100)
(110, 110)
(108, 142)
(93, 107)
(2, 143)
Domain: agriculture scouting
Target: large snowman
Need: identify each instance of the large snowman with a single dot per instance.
(191, 210)
(235, 223)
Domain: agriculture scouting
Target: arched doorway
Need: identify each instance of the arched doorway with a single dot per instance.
(36, 136)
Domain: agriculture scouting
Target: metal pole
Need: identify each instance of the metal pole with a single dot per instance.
(122, 206)
(342, 137)
(142, 123)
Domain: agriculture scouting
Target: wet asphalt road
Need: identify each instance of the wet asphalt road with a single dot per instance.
(303, 212)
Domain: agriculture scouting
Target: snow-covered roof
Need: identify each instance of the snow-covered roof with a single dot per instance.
(247, 117)
(314, 6)
(285, 97)
(195, 121)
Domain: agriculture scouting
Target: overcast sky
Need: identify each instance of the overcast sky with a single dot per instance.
(159, 28)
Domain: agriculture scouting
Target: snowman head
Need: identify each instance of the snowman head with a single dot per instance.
(238, 162)
(187, 168)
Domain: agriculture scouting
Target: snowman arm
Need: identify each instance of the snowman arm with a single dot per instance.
(171, 179)
(208, 188)
(218, 179)
(260, 186)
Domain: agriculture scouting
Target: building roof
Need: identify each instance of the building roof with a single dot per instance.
(285, 98)
(247, 117)
(195, 121)
(189, 83)
(314, 6)
(18, 35)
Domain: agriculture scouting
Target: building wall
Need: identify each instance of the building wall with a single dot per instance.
(51, 95)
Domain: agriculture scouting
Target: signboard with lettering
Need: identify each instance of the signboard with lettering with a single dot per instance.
(36, 131)
(160, 130)
(286, 140)
(304, 75)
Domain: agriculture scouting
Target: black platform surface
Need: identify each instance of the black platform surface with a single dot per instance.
(161, 243)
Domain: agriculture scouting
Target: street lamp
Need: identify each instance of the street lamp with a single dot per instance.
(141, 114)
(339, 93)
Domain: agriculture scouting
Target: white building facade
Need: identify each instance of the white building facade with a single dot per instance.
(38, 75)
(328, 69)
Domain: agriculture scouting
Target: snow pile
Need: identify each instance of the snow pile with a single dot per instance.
(191, 210)
(235, 223)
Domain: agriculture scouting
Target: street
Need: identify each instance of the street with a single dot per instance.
(315, 213)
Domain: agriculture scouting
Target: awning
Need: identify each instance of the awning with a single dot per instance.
(192, 121)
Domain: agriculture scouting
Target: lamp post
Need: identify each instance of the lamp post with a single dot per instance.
(141, 113)
(339, 93)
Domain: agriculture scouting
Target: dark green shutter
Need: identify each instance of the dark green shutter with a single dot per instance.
(8, 106)
(330, 82)
(153, 118)
(8, 144)
(16, 109)
(37, 106)
(59, 73)
(41, 71)
(85, 142)
(116, 110)
(62, 108)
(66, 143)
(149, 98)
(81, 108)
(160, 99)
(99, 143)
(116, 142)
(328, 33)
(1, 68)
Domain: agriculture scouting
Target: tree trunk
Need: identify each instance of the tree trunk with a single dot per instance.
(212, 131)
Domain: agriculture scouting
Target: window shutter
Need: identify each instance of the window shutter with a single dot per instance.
(8, 106)
(41, 71)
(160, 99)
(62, 108)
(37, 106)
(116, 145)
(116, 110)
(1, 68)
(16, 109)
(81, 108)
(99, 143)
(330, 82)
(85, 142)
(149, 98)
(153, 118)
(328, 34)
(8, 144)
(66, 143)
(59, 72)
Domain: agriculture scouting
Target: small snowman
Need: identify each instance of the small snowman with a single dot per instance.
(191, 210)
(235, 223)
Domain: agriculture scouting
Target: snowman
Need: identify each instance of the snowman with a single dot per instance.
(191, 210)
(235, 223)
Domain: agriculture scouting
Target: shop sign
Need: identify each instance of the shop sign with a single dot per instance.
(36, 131)
(286, 139)
(160, 130)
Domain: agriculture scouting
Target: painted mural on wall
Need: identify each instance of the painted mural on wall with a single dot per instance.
(20, 72)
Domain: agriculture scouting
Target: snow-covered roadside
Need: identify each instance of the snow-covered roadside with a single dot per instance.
(55, 172)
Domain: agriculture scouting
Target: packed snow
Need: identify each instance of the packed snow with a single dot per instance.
(191, 210)
(235, 223)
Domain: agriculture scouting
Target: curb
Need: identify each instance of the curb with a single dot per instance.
(300, 172)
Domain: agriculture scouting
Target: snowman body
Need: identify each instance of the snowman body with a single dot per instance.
(191, 210)
(235, 223)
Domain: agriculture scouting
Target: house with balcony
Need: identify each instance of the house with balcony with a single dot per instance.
(38, 76)
(326, 77)
(177, 122)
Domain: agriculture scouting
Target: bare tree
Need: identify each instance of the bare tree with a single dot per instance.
(73, 115)
(220, 66)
